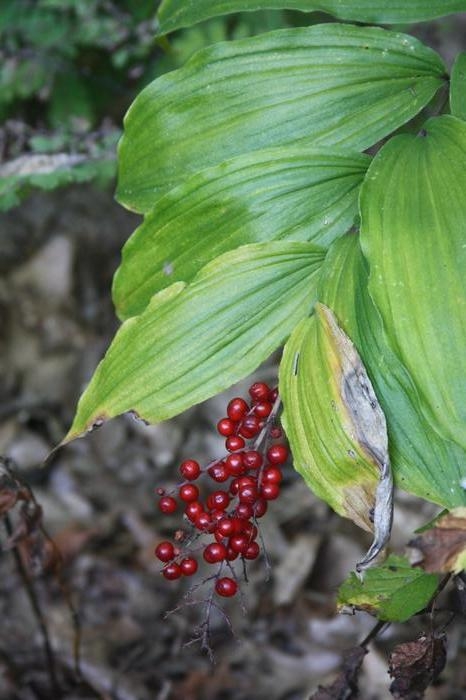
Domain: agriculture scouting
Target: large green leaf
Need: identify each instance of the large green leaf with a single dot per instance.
(423, 462)
(458, 87)
(413, 234)
(194, 341)
(324, 85)
(174, 14)
(393, 591)
(298, 194)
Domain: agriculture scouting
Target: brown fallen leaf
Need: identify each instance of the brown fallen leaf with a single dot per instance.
(442, 549)
(415, 665)
(345, 686)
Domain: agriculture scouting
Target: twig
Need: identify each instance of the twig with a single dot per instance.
(34, 601)
(376, 630)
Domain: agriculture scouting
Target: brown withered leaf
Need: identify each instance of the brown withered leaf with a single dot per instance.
(345, 686)
(11, 490)
(415, 665)
(443, 548)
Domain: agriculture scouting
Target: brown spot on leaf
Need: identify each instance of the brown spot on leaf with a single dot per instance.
(415, 665)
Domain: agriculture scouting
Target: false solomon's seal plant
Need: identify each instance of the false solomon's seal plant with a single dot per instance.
(266, 223)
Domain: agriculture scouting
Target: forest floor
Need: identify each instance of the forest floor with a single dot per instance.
(98, 507)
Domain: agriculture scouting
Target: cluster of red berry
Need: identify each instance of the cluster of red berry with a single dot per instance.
(251, 474)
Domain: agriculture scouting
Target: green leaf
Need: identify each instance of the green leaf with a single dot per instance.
(423, 462)
(413, 234)
(192, 342)
(393, 592)
(174, 14)
(330, 84)
(291, 193)
(458, 87)
(331, 417)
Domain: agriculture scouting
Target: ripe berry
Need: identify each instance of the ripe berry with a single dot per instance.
(193, 510)
(204, 522)
(226, 427)
(244, 511)
(190, 469)
(234, 443)
(165, 551)
(237, 409)
(260, 508)
(272, 475)
(263, 409)
(231, 554)
(277, 454)
(189, 492)
(215, 552)
(249, 427)
(218, 472)
(259, 391)
(252, 459)
(225, 527)
(270, 491)
(188, 566)
(273, 395)
(252, 551)
(172, 571)
(234, 464)
(248, 494)
(218, 500)
(167, 504)
(250, 531)
(238, 543)
(226, 587)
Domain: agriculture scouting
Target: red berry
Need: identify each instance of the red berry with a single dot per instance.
(215, 552)
(190, 469)
(259, 391)
(225, 527)
(248, 494)
(172, 571)
(249, 427)
(217, 515)
(252, 459)
(165, 551)
(167, 504)
(231, 554)
(270, 491)
(226, 587)
(260, 508)
(277, 454)
(239, 483)
(272, 475)
(250, 531)
(234, 443)
(252, 551)
(276, 433)
(193, 510)
(263, 409)
(219, 472)
(204, 522)
(273, 395)
(188, 566)
(218, 500)
(189, 492)
(238, 543)
(226, 427)
(237, 409)
(244, 511)
(234, 464)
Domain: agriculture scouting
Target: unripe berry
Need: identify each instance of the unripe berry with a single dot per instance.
(167, 504)
(226, 587)
(190, 469)
(215, 552)
(237, 409)
(165, 551)
(188, 566)
(171, 571)
(189, 492)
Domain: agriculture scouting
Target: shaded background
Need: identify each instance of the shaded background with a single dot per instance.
(69, 70)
